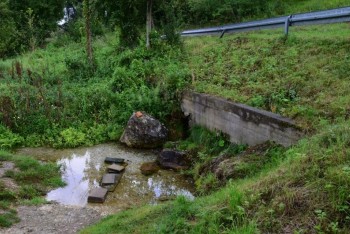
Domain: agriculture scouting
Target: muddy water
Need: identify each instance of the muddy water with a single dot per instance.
(82, 169)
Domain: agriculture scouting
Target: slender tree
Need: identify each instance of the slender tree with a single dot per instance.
(171, 21)
(149, 22)
(31, 30)
(130, 16)
(87, 17)
(7, 29)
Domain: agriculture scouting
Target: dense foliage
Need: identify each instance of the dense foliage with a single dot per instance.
(25, 24)
(68, 103)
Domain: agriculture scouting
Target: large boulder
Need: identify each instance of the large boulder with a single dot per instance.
(173, 159)
(144, 131)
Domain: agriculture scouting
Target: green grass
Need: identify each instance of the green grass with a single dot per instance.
(35, 179)
(8, 219)
(34, 201)
(304, 77)
(33, 172)
(300, 6)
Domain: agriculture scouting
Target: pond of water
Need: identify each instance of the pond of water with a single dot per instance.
(82, 169)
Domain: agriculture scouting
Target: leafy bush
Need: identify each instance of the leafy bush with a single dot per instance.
(78, 68)
(8, 139)
(123, 79)
(72, 137)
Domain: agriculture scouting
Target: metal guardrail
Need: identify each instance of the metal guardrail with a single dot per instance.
(320, 17)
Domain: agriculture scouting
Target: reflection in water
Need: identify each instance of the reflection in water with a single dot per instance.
(161, 189)
(73, 173)
(83, 168)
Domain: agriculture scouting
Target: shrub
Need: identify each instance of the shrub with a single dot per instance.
(73, 137)
(8, 139)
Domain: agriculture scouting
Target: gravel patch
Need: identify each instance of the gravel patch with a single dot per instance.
(52, 219)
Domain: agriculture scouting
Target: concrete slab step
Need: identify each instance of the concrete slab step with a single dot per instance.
(108, 179)
(97, 195)
(114, 160)
(115, 168)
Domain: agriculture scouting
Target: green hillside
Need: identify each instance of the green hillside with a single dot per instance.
(304, 76)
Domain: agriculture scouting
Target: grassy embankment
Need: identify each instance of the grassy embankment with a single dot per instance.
(305, 189)
(300, 6)
(30, 181)
(304, 77)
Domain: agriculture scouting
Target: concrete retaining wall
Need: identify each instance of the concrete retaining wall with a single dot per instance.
(244, 124)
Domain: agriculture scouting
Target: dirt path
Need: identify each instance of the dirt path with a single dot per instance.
(52, 219)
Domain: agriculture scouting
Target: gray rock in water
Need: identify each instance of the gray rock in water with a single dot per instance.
(173, 159)
(144, 131)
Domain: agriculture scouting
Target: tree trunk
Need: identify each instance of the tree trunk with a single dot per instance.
(148, 23)
(87, 16)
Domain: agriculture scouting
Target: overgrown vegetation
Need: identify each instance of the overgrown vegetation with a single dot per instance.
(33, 180)
(59, 101)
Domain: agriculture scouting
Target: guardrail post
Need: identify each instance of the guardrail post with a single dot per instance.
(286, 25)
(223, 33)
